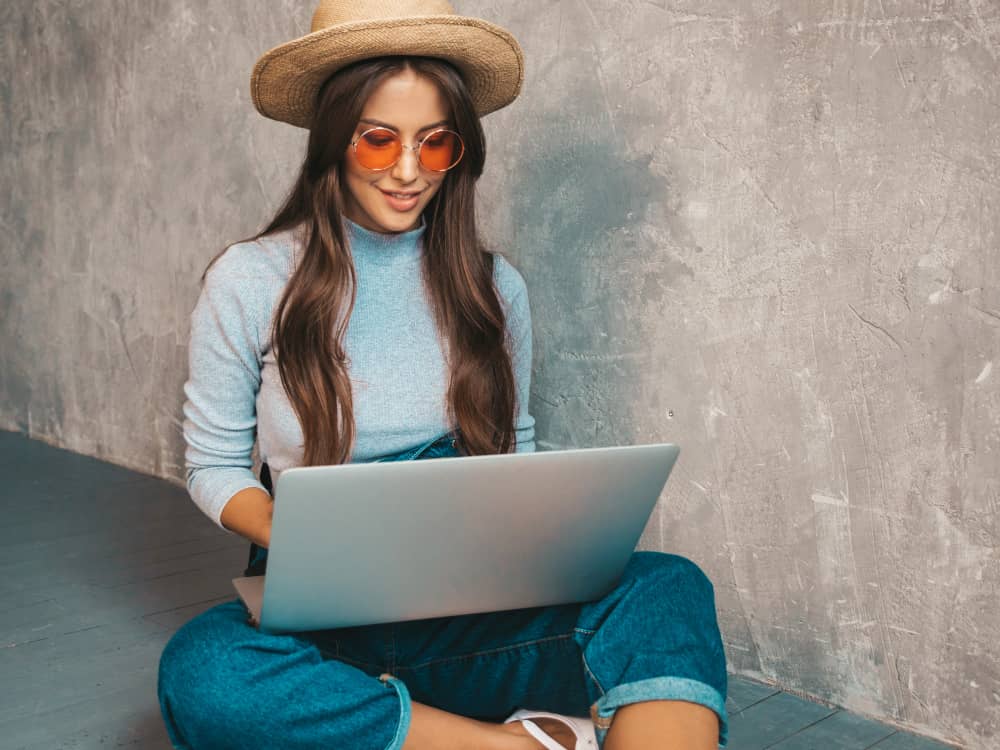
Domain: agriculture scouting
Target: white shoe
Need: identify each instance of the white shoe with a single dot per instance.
(586, 738)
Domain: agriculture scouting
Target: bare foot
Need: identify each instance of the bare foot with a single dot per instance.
(556, 729)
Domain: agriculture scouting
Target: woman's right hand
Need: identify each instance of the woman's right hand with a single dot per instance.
(248, 513)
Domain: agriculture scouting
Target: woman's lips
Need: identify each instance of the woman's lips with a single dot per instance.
(398, 201)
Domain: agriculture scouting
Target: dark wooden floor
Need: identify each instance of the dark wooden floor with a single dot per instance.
(100, 565)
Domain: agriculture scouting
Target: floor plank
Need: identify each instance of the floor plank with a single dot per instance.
(34, 582)
(744, 693)
(839, 731)
(110, 720)
(771, 720)
(907, 741)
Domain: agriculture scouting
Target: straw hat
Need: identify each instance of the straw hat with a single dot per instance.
(286, 79)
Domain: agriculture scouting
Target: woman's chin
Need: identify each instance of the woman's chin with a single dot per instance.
(399, 222)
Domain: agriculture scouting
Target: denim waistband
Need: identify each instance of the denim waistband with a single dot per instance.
(440, 446)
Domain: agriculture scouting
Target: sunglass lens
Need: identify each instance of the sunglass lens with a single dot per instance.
(441, 150)
(378, 149)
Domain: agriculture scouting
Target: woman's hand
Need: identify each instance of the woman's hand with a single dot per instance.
(249, 513)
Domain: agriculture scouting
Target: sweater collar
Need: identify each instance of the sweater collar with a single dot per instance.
(383, 249)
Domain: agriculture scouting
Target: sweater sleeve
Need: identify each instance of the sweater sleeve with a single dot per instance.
(515, 293)
(224, 361)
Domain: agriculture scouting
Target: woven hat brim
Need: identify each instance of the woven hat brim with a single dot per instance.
(286, 79)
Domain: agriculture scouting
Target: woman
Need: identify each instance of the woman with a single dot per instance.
(373, 273)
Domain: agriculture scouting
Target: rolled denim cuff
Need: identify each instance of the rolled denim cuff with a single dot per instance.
(404, 710)
(658, 689)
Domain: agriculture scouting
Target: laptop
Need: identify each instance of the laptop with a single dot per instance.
(369, 543)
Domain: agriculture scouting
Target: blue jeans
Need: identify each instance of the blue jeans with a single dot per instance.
(223, 684)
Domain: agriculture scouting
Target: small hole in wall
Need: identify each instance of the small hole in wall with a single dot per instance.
(670, 413)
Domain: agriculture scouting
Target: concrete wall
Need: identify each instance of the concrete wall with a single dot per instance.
(767, 230)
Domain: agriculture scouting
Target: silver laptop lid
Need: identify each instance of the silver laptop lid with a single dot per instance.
(360, 544)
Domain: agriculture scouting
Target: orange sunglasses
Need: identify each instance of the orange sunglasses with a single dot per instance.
(380, 148)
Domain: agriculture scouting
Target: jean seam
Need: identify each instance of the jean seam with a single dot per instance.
(422, 449)
(489, 652)
(392, 647)
(354, 662)
(592, 676)
(405, 717)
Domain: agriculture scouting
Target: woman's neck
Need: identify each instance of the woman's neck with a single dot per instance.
(383, 248)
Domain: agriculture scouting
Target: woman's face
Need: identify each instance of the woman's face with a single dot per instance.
(392, 200)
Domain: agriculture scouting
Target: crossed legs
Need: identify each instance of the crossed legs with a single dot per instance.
(646, 660)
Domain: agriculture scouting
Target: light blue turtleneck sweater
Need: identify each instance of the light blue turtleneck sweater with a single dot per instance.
(396, 361)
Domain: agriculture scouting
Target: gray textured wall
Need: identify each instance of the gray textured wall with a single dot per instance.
(764, 229)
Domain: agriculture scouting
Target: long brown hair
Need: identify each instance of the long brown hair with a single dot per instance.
(314, 310)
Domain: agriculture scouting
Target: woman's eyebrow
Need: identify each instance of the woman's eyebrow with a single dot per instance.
(381, 124)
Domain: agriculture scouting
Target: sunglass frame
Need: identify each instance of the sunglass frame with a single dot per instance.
(416, 148)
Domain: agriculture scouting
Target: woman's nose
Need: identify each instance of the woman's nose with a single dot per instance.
(408, 167)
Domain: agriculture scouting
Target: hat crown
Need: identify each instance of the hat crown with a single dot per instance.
(335, 12)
